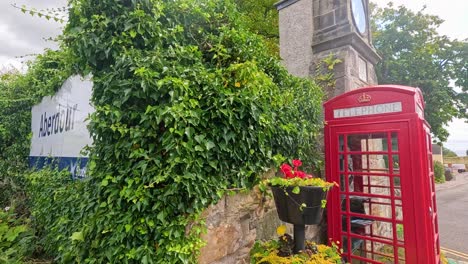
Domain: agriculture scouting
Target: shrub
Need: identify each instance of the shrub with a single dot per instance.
(439, 172)
(18, 93)
(188, 103)
(56, 204)
(17, 240)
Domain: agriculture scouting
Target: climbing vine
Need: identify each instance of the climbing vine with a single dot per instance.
(324, 74)
(188, 104)
(18, 93)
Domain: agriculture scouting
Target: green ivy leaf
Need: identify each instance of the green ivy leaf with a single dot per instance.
(210, 145)
(77, 236)
(296, 190)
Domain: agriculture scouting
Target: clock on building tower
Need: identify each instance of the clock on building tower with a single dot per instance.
(312, 29)
(359, 15)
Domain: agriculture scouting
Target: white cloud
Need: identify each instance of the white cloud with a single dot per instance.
(22, 34)
(454, 12)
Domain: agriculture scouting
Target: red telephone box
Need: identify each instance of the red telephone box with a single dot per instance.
(378, 148)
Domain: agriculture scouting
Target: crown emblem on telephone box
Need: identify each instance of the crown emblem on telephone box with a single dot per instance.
(364, 98)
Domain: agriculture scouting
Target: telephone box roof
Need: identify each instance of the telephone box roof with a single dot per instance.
(384, 87)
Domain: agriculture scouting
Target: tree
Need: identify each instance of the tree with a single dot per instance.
(261, 17)
(448, 152)
(401, 37)
(415, 54)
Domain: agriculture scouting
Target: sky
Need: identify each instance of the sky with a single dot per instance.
(22, 35)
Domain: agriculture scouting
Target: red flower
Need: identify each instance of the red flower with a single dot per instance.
(297, 163)
(289, 175)
(300, 174)
(287, 170)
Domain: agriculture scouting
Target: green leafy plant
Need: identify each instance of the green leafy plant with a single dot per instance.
(56, 204)
(293, 177)
(324, 74)
(439, 172)
(280, 251)
(17, 238)
(188, 105)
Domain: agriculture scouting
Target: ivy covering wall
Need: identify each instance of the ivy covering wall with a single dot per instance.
(18, 93)
(188, 105)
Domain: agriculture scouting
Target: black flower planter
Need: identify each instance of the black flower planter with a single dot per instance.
(291, 210)
(288, 204)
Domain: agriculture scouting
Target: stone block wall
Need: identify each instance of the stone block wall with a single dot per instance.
(234, 224)
(236, 221)
(296, 31)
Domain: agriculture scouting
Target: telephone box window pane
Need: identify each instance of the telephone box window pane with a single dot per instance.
(344, 243)
(375, 163)
(342, 162)
(397, 202)
(383, 253)
(398, 213)
(344, 204)
(356, 143)
(361, 226)
(374, 228)
(357, 204)
(342, 182)
(341, 143)
(367, 142)
(396, 181)
(380, 207)
(372, 250)
(344, 222)
(381, 190)
(394, 142)
(396, 164)
(397, 186)
(371, 184)
(401, 255)
(355, 162)
(355, 183)
(358, 248)
(400, 233)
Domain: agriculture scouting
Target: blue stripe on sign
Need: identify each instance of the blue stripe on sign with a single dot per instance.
(75, 165)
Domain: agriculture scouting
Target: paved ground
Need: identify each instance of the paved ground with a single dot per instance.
(452, 206)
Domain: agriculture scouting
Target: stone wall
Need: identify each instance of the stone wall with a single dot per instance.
(456, 160)
(236, 221)
(352, 73)
(296, 31)
(233, 225)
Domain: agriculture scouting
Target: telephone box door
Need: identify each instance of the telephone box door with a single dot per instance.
(373, 170)
(378, 150)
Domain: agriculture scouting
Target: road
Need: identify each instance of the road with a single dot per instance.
(452, 207)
